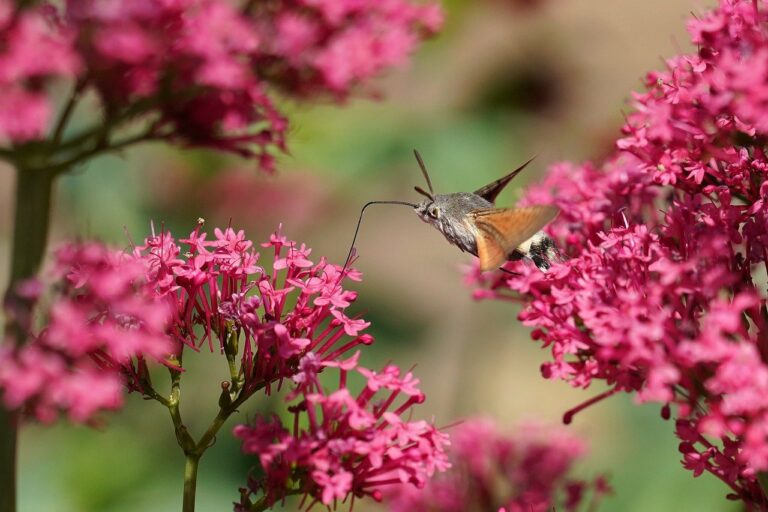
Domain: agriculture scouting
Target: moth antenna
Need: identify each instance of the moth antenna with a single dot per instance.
(424, 172)
(423, 192)
(357, 229)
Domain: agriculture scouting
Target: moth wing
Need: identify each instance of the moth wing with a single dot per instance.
(489, 250)
(501, 230)
(490, 191)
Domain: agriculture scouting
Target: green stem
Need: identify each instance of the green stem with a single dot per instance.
(30, 232)
(194, 451)
(762, 479)
(69, 108)
(224, 413)
(183, 438)
(8, 435)
(248, 7)
(262, 504)
(230, 350)
(190, 482)
(104, 147)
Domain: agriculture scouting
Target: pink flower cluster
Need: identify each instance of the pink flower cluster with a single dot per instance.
(341, 445)
(36, 47)
(699, 118)
(115, 310)
(200, 70)
(311, 46)
(105, 320)
(190, 61)
(662, 296)
(220, 295)
(526, 470)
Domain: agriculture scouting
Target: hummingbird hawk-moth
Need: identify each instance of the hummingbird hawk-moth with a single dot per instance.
(470, 221)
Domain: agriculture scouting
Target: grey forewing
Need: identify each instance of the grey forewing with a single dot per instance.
(491, 190)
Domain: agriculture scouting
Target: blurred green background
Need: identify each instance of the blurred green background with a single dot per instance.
(504, 81)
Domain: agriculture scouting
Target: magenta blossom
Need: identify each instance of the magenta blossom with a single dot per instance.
(105, 321)
(341, 445)
(311, 46)
(222, 298)
(114, 311)
(526, 470)
(198, 72)
(661, 296)
(36, 48)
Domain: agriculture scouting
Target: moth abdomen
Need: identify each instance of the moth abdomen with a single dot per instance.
(540, 249)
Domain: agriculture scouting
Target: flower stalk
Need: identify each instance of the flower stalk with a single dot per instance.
(190, 482)
(193, 451)
(30, 232)
(36, 171)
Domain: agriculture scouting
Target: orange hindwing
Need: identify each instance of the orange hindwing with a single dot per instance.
(501, 230)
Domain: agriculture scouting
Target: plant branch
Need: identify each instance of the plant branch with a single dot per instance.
(762, 479)
(230, 351)
(66, 114)
(154, 395)
(191, 463)
(102, 130)
(262, 504)
(30, 233)
(194, 451)
(248, 6)
(105, 146)
(185, 440)
(221, 418)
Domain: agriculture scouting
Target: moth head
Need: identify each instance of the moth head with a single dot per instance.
(428, 211)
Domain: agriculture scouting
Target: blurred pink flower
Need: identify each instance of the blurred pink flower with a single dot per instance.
(300, 198)
(315, 46)
(523, 470)
(36, 47)
(200, 70)
(114, 310)
(104, 321)
(668, 305)
(342, 445)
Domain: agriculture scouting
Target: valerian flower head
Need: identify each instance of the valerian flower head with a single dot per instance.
(199, 72)
(311, 46)
(661, 296)
(222, 298)
(341, 445)
(36, 48)
(523, 470)
(112, 311)
(105, 320)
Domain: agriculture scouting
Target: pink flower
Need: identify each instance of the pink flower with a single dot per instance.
(217, 292)
(667, 305)
(36, 48)
(522, 470)
(199, 71)
(24, 115)
(332, 46)
(115, 311)
(104, 322)
(341, 445)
